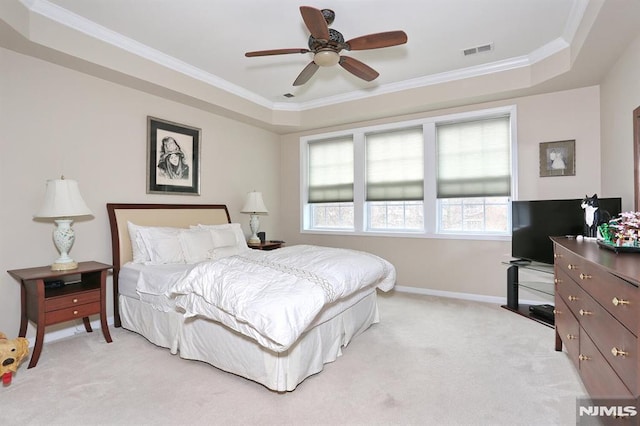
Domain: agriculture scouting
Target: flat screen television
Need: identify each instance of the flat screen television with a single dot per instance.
(533, 222)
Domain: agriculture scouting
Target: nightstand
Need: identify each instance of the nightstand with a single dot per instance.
(267, 245)
(47, 306)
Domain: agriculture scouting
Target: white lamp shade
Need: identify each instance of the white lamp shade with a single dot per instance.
(253, 204)
(62, 199)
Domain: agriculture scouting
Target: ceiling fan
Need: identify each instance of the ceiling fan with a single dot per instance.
(326, 43)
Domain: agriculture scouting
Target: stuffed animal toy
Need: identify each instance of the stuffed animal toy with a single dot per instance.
(12, 352)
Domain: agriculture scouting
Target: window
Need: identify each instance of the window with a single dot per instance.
(395, 179)
(474, 175)
(442, 176)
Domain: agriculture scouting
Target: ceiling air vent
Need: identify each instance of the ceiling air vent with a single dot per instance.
(288, 95)
(478, 49)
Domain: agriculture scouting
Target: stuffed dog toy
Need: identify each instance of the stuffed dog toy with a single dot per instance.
(12, 352)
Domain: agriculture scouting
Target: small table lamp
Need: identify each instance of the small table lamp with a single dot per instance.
(254, 206)
(62, 200)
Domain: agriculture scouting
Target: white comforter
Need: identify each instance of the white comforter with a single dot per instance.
(273, 296)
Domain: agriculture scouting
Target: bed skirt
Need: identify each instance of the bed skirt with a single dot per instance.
(209, 341)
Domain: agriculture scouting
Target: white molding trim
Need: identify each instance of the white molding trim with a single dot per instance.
(463, 296)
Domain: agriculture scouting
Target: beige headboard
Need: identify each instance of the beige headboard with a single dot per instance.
(174, 215)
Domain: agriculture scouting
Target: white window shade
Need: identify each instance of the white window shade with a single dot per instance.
(331, 171)
(474, 159)
(395, 165)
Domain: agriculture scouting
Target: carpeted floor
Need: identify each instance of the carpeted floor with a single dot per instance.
(430, 361)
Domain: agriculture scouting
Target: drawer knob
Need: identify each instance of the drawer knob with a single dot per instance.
(572, 298)
(557, 312)
(557, 280)
(617, 352)
(75, 300)
(571, 337)
(583, 312)
(618, 302)
(557, 255)
(75, 312)
(583, 357)
(585, 276)
(571, 267)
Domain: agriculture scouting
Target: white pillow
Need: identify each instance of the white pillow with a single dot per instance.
(220, 252)
(241, 242)
(140, 254)
(197, 244)
(162, 245)
(222, 237)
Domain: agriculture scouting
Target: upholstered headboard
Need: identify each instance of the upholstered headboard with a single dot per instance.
(173, 215)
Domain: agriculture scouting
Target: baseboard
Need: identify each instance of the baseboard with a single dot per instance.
(95, 325)
(464, 296)
(52, 336)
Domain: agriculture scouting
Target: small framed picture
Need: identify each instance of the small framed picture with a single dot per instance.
(558, 158)
(173, 158)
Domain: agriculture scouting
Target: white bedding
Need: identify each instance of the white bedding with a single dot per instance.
(274, 296)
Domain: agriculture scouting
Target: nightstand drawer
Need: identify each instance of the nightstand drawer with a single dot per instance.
(74, 312)
(71, 300)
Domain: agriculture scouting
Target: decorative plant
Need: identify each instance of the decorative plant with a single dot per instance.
(624, 230)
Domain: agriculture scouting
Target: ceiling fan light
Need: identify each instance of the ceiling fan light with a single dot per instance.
(326, 58)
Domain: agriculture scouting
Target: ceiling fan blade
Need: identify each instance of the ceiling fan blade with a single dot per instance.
(315, 22)
(358, 68)
(378, 40)
(306, 74)
(275, 52)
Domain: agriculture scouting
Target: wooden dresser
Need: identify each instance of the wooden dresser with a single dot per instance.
(596, 315)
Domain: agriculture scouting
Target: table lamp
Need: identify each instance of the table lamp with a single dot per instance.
(62, 201)
(254, 206)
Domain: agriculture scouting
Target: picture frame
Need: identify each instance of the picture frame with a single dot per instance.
(173, 158)
(558, 158)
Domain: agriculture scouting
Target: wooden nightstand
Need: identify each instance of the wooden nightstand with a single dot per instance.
(267, 245)
(47, 306)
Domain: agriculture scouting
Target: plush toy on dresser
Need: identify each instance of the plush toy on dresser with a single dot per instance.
(593, 216)
(12, 352)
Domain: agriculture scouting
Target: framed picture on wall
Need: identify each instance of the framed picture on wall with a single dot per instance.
(558, 158)
(173, 158)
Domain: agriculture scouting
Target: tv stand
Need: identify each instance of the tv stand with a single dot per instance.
(514, 283)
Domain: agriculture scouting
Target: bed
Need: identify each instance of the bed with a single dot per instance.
(169, 303)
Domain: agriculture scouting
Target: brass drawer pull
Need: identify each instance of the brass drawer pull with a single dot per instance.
(572, 298)
(571, 337)
(557, 255)
(570, 266)
(585, 276)
(557, 280)
(75, 300)
(583, 357)
(618, 302)
(557, 312)
(617, 352)
(75, 312)
(583, 312)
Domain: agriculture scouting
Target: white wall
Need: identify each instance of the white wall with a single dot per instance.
(467, 266)
(58, 121)
(620, 93)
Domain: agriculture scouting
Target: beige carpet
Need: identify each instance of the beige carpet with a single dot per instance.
(430, 361)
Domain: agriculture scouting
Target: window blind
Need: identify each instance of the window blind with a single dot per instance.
(395, 165)
(331, 171)
(474, 159)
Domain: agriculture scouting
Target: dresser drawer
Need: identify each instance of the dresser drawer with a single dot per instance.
(568, 329)
(597, 375)
(617, 344)
(568, 262)
(70, 300)
(617, 296)
(570, 292)
(73, 312)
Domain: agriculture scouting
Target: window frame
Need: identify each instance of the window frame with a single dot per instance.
(430, 202)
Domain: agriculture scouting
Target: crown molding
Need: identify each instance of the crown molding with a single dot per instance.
(92, 29)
